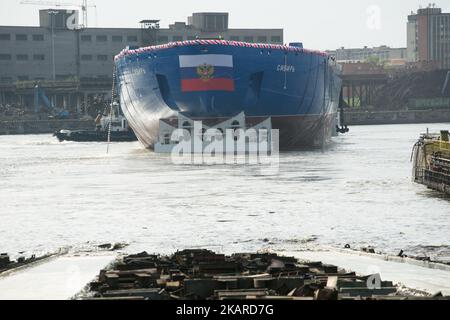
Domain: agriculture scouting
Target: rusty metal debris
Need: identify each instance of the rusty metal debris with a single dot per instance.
(206, 275)
(7, 264)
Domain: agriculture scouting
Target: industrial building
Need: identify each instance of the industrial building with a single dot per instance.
(384, 53)
(429, 36)
(73, 62)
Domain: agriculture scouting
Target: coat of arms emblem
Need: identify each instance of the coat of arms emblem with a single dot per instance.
(205, 71)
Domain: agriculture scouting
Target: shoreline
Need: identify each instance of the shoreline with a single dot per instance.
(352, 118)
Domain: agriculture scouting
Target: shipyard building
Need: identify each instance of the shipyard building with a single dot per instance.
(73, 62)
(383, 53)
(429, 37)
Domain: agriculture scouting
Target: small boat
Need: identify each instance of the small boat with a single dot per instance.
(115, 127)
(95, 136)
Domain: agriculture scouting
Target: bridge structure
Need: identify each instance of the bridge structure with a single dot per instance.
(360, 83)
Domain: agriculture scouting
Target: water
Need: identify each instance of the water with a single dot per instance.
(358, 192)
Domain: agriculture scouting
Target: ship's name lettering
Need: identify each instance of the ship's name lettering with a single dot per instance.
(285, 68)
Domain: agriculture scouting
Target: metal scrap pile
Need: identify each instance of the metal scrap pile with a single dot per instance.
(7, 264)
(203, 274)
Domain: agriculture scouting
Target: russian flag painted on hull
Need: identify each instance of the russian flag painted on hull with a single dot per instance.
(206, 72)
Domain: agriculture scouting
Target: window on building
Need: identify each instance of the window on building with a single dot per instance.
(102, 57)
(235, 38)
(5, 36)
(5, 57)
(262, 39)
(102, 38)
(38, 37)
(117, 38)
(248, 39)
(163, 39)
(132, 39)
(22, 57)
(21, 37)
(86, 38)
(39, 57)
(86, 57)
(23, 78)
(275, 39)
(177, 38)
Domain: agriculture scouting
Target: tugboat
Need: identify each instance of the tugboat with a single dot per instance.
(116, 126)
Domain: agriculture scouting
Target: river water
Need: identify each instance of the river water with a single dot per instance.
(357, 192)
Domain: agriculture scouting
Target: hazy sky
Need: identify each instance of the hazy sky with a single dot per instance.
(319, 24)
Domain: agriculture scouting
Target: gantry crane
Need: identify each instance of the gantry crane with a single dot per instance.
(84, 7)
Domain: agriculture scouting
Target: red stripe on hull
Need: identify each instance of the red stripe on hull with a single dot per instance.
(193, 85)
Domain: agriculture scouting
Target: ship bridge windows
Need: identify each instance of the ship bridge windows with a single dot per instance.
(5, 36)
(248, 39)
(235, 38)
(177, 38)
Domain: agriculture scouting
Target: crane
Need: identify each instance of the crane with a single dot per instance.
(84, 7)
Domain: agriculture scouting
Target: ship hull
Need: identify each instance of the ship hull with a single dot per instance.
(298, 89)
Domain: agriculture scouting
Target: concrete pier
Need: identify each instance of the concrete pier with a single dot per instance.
(58, 279)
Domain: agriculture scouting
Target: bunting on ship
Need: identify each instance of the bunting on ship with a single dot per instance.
(206, 72)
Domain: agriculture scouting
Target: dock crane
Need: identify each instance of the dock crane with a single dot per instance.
(84, 7)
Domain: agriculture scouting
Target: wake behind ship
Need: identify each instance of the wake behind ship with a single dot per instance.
(298, 89)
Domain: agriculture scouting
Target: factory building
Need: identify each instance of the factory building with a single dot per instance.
(429, 37)
(383, 53)
(59, 50)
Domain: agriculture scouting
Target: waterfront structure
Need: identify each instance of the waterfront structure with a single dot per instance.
(73, 63)
(26, 52)
(429, 36)
(383, 53)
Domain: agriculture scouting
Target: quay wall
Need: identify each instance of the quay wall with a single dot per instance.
(352, 118)
(396, 117)
(42, 126)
